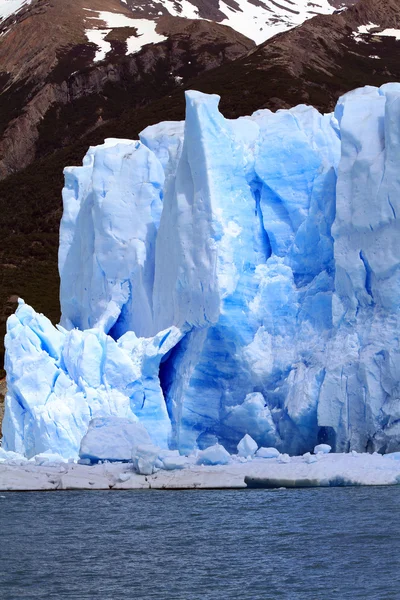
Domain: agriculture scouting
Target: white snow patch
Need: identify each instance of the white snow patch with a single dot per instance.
(256, 22)
(146, 32)
(363, 30)
(366, 30)
(187, 9)
(96, 36)
(259, 24)
(9, 7)
(390, 33)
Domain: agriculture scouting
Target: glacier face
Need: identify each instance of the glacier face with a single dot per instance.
(222, 278)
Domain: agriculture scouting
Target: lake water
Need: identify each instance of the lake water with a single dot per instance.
(312, 544)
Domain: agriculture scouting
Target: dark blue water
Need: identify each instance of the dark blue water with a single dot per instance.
(314, 544)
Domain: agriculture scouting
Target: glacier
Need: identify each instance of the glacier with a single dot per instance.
(221, 279)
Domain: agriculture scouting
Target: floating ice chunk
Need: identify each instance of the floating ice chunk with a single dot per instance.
(247, 447)
(214, 455)
(267, 453)
(168, 454)
(113, 439)
(324, 448)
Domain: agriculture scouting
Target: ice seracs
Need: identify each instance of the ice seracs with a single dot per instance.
(223, 279)
(247, 447)
(115, 201)
(214, 455)
(59, 381)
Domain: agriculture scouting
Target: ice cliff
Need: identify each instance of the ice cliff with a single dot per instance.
(221, 278)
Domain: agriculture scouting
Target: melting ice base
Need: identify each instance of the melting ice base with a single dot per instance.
(224, 277)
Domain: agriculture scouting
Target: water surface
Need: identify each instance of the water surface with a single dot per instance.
(312, 544)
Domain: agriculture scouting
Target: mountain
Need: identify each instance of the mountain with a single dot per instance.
(257, 20)
(56, 53)
(313, 63)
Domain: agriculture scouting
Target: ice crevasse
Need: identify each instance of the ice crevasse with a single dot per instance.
(221, 278)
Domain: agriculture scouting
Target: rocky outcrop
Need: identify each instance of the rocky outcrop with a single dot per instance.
(48, 72)
(55, 53)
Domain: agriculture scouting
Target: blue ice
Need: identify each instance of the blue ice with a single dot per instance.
(221, 279)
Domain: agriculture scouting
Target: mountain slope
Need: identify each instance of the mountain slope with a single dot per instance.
(54, 53)
(258, 19)
(47, 61)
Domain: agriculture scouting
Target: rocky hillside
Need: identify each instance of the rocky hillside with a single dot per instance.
(58, 53)
(313, 63)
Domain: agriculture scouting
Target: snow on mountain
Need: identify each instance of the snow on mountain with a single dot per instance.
(362, 32)
(223, 278)
(257, 20)
(262, 20)
(10, 7)
(145, 32)
(390, 33)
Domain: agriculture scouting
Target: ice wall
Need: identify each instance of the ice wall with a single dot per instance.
(59, 380)
(225, 277)
(360, 400)
(112, 207)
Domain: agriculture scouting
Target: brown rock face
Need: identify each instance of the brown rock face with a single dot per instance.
(312, 64)
(48, 63)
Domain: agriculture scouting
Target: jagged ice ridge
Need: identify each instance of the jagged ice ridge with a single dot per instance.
(221, 278)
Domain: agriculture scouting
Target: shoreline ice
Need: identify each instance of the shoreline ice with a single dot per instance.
(328, 470)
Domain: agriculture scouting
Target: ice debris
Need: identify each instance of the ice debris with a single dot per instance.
(112, 439)
(247, 447)
(283, 458)
(144, 458)
(323, 448)
(310, 458)
(267, 453)
(222, 278)
(393, 455)
(214, 455)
